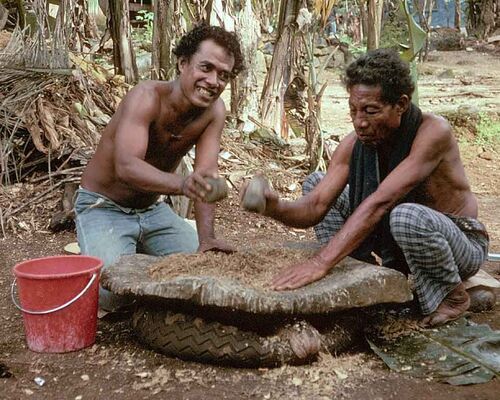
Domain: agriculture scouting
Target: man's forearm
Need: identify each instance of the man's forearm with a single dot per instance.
(356, 229)
(297, 214)
(204, 214)
(147, 178)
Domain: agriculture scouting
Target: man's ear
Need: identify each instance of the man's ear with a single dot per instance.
(402, 104)
(181, 62)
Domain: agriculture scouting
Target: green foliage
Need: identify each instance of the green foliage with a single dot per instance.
(416, 42)
(416, 33)
(488, 130)
(147, 17)
(395, 29)
(356, 49)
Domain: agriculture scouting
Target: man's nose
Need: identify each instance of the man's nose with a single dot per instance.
(359, 121)
(212, 78)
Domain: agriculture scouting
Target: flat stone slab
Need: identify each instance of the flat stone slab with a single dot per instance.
(351, 284)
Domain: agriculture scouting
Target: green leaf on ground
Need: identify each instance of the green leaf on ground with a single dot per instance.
(461, 353)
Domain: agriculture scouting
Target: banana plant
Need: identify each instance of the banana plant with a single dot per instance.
(416, 42)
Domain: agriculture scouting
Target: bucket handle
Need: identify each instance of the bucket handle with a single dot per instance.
(12, 289)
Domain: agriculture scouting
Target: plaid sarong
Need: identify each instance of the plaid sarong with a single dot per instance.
(441, 250)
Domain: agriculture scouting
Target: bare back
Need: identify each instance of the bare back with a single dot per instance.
(154, 131)
(447, 188)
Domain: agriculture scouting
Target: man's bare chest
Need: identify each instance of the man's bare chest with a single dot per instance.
(168, 144)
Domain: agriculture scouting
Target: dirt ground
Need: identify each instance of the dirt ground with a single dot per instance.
(118, 367)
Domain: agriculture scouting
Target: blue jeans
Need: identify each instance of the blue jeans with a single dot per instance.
(107, 230)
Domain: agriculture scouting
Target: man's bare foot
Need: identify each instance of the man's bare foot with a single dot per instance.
(452, 307)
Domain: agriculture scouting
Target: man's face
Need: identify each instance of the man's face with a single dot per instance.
(206, 74)
(374, 120)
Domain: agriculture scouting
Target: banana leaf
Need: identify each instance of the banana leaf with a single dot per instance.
(416, 43)
(416, 33)
(461, 353)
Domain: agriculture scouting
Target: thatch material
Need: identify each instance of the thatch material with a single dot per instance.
(51, 119)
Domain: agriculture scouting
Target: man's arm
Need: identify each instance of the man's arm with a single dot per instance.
(427, 152)
(138, 111)
(310, 209)
(428, 149)
(206, 164)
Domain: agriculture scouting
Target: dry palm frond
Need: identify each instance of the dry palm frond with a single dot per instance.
(40, 128)
(323, 9)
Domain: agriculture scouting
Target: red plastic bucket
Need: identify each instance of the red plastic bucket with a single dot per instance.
(59, 298)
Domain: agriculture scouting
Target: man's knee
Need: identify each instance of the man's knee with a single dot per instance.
(408, 219)
(311, 181)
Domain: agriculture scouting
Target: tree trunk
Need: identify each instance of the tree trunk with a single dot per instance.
(163, 64)
(375, 8)
(458, 14)
(82, 25)
(482, 19)
(362, 4)
(123, 52)
(285, 56)
(90, 24)
(22, 13)
(244, 97)
(4, 14)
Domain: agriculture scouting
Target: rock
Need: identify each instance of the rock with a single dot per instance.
(218, 190)
(351, 284)
(447, 73)
(481, 299)
(304, 340)
(254, 198)
(268, 48)
(481, 289)
(260, 62)
(486, 155)
(468, 109)
(143, 61)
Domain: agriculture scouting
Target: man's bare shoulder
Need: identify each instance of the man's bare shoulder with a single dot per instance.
(349, 139)
(347, 143)
(343, 151)
(219, 108)
(149, 90)
(435, 127)
(144, 101)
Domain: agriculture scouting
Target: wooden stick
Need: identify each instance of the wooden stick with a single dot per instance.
(68, 171)
(1, 223)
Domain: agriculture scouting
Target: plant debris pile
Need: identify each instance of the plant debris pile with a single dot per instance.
(50, 123)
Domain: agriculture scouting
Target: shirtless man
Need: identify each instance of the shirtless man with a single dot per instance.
(156, 124)
(395, 187)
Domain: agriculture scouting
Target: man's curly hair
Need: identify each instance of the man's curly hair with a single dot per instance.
(190, 42)
(381, 67)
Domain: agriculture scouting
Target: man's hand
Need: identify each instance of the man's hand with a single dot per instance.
(215, 245)
(195, 186)
(257, 196)
(301, 274)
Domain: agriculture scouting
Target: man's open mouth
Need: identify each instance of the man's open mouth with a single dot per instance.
(206, 92)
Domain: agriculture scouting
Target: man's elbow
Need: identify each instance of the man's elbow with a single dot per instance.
(379, 206)
(317, 212)
(124, 171)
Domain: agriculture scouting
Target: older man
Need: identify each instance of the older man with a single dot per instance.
(395, 187)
